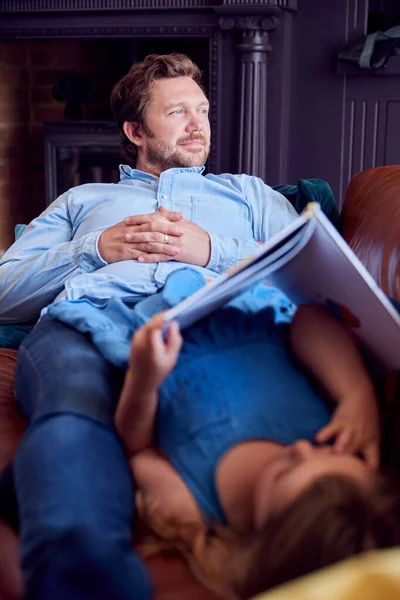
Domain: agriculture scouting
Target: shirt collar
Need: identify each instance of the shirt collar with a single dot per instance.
(126, 172)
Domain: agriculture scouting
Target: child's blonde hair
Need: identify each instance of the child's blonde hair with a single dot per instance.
(334, 518)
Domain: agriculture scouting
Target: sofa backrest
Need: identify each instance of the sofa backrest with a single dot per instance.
(371, 224)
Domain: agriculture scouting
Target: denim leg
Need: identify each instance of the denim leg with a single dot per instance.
(59, 370)
(72, 479)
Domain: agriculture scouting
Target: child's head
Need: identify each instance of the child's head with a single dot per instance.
(319, 515)
(294, 468)
(335, 517)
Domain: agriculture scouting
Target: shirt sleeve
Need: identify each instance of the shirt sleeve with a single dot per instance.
(35, 268)
(270, 212)
(227, 251)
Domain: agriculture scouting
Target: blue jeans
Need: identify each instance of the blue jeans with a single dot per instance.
(73, 485)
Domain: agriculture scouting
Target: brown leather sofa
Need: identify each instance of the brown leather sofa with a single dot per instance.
(371, 225)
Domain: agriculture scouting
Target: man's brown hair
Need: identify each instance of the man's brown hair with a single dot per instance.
(131, 95)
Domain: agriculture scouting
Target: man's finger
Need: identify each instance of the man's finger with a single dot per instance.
(161, 227)
(154, 248)
(169, 214)
(155, 237)
(153, 258)
(140, 219)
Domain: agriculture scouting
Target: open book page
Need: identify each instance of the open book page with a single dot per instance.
(311, 263)
(326, 271)
(256, 268)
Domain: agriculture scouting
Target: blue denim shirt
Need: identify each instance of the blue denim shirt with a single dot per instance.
(57, 256)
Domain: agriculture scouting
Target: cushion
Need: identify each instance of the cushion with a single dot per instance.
(11, 336)
(369, 576)
(312, 190)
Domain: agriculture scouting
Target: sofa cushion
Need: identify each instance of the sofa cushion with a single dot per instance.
(12, 423)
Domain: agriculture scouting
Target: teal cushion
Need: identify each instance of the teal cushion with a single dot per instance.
(11, 336)
(312, 190)
(19, 230)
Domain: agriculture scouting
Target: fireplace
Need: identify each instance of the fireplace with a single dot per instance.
(232, 41)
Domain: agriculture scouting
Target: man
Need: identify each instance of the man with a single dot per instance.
(95, 244)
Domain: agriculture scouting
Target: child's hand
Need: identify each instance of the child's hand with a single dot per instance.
(153, 358)
(356, 426)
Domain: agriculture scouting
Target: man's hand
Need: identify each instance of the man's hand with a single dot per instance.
(143, 236)
(194, 243)
(355, 425)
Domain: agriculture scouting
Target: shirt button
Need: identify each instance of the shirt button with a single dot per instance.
(164, 197)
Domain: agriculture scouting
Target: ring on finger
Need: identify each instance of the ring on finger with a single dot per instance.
(166, 238)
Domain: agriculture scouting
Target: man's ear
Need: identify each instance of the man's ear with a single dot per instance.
(133, 133)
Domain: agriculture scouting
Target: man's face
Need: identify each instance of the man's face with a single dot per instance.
(177, 129)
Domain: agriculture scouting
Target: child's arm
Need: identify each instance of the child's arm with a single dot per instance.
(328, 350)
(168, 506)
(151, 361)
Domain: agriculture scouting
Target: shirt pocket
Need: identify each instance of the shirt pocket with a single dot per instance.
(185, 206)
(219, 215)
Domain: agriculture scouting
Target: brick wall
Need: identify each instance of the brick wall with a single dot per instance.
(14, 136)
(28, 71)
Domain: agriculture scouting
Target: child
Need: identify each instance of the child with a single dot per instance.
(233, 434)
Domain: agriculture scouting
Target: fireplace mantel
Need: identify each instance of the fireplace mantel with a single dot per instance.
(239, 45)
(48, 6)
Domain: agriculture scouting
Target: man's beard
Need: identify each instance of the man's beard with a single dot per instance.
(165, 156)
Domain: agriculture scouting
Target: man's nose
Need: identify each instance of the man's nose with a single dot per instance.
(194, 123)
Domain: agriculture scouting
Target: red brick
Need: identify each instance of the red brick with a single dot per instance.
(21, 205)
(22, 96)
(42, 95)
(7, 94)
(36, 153)
(70, 55)
(8, 131)
(13, 53)
(10, 170)
(5, 199)
(6, 235)
(36, 136)
(24, 114)
(13, 76)
(41, 57)
(14, 114)
(15, 150)
(38, 196)
(8, 113)
(48, 76)
(48, 113)
(4, 172)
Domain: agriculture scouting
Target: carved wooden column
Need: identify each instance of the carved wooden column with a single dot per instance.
(253, 47)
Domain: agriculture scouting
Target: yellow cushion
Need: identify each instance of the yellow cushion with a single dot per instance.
(371, 576)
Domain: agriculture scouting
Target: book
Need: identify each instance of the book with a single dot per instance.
(312, 264)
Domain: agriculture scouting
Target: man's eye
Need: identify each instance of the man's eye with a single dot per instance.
(176, 112)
